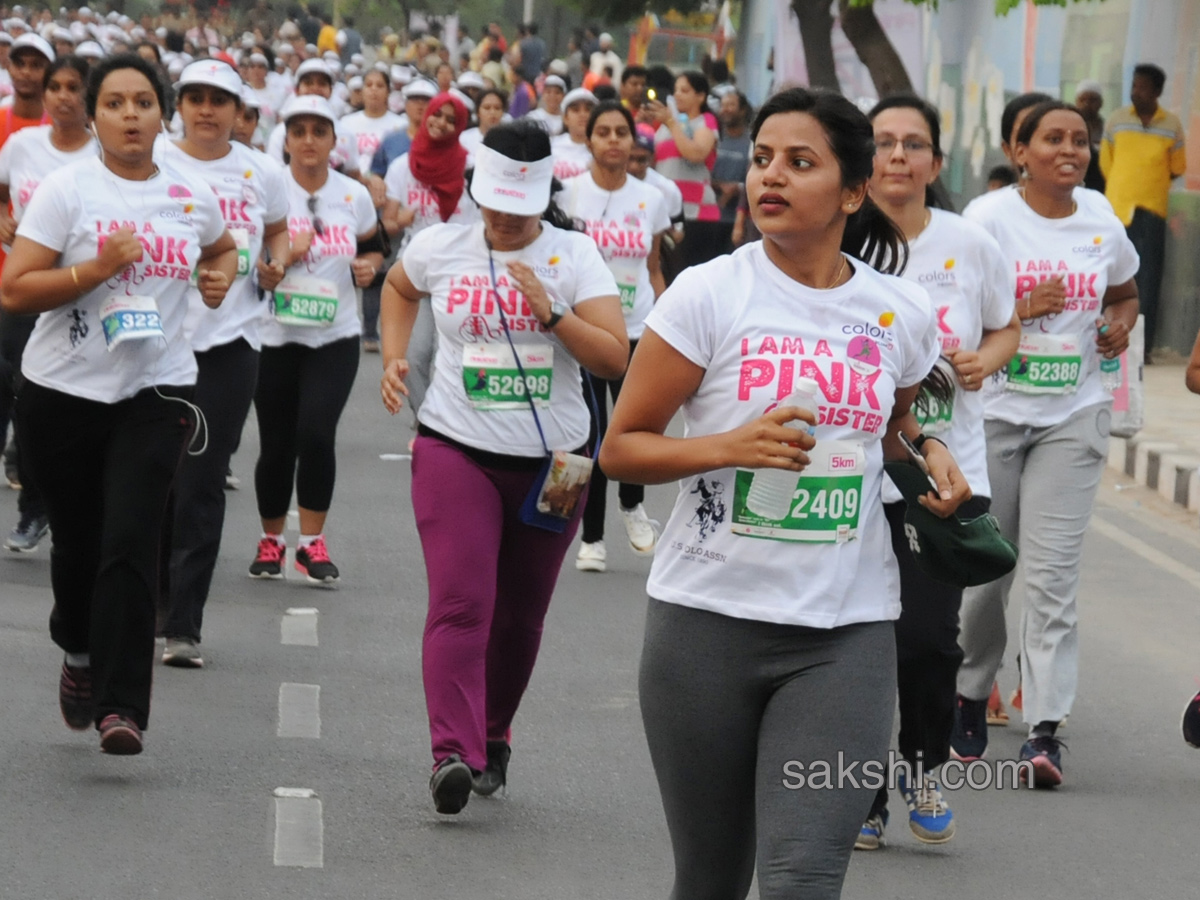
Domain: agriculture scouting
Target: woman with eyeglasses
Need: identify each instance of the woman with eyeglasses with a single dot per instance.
(627, 219)
(226, 341)
(481, 449)
(28, 157)
(310, 342)
(105, 253)
(962, 268)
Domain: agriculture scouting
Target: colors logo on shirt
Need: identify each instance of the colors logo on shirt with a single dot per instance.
(183, 195)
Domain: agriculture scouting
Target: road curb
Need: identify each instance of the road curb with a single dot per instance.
(1171, 470)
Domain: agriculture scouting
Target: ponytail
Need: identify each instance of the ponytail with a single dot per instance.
(874, 238)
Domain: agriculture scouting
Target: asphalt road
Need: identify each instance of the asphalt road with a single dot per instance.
(196, 814)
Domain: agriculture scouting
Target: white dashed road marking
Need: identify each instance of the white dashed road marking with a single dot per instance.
(299, 710)
(299, 627)
(299, 828)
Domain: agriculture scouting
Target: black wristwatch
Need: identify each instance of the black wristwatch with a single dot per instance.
(558, 309)
(922, 438)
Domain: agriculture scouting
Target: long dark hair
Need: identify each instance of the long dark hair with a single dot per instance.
(527, 141)
(870, 235)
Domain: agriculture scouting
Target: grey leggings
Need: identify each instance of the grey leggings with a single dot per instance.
(726, 703)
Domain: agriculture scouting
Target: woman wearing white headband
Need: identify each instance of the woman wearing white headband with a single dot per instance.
(521, 302)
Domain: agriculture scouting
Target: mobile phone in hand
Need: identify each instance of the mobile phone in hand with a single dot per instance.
(915, 457)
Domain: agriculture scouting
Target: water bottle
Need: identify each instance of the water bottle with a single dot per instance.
(771, 490)
(1110, 373)
(1110, 369)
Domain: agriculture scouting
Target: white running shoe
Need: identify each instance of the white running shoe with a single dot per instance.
(591, 557)
(641, 529)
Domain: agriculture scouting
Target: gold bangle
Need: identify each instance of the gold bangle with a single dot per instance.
(75, 277)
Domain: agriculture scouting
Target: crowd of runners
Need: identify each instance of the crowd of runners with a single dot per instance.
(203, 221)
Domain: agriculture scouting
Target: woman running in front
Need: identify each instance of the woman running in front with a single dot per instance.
(626, 218)
(1047, 418)
(105, 252)
(961, 267)
(28, 157)
(310, 345)
(249, 186)
(487, 428)
(769, 649)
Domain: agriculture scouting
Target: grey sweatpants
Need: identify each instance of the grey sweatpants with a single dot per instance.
(727, 704)
(422, 347)
(1044, 483)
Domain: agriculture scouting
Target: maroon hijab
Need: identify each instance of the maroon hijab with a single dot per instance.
(439, 165)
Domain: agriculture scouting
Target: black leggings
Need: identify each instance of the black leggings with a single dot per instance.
(105, 470)
(224, 388)
(300, 397)
(630, 495)
(927, 652)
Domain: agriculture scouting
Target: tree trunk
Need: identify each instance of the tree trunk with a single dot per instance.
(874, 48)
(816, 22)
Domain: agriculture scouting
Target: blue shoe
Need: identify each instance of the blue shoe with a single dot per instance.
(1045, 753)
(969, 739)
(929, 818)
(870, 836)
(1191, 722)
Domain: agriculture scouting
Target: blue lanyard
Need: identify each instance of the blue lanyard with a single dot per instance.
(521, 369)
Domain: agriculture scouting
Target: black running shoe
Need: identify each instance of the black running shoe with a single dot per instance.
(495, 776)
(75, 697)
(315, 563)
(269, 559)
(451, 785)
(1191, 722)
(119, 736)
(1045, 753)
(969, 739)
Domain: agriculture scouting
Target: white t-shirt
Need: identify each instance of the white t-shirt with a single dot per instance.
(174, 215)
(1093, 200)
(369, 133)
(754, 330)
(345, 210)
(549, 121)
(412, 194)
(27, 157)
(1090, 248)
(450, 263)
(623, 224)
(249, 187)
(344, 152)
(970, 284)
(670, 191)
(570, 158)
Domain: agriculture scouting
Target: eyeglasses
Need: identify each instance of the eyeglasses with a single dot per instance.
(318, 225)
(884, 146)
